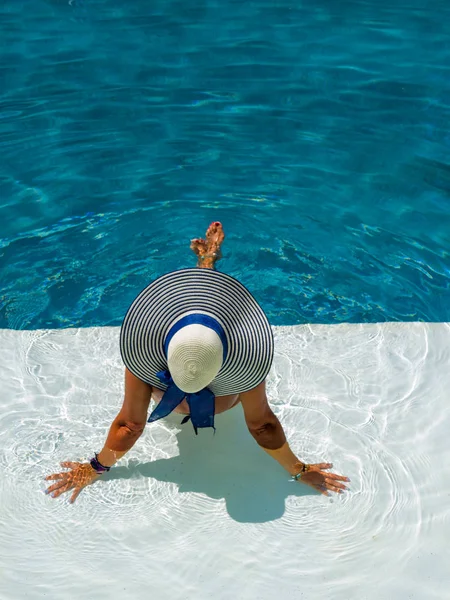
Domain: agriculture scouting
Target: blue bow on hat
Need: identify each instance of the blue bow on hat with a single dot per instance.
(201, 404)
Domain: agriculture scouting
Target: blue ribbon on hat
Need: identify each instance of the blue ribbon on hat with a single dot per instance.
(201, 404)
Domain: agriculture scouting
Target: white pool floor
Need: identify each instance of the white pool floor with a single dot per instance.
(184, 517)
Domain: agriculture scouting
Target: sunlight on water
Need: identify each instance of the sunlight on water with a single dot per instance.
(317, 133)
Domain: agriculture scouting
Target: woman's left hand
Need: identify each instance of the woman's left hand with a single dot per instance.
(316, 477)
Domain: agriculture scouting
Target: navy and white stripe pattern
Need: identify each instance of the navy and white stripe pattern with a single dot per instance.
(179, 293)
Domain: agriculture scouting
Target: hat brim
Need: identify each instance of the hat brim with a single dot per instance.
(205, 291)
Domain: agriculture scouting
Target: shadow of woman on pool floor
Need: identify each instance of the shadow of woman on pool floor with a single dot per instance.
(227, 465)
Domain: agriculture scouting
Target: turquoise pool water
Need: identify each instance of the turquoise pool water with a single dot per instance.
(318, 135)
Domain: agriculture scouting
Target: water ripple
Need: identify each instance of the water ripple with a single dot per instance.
(370, 398)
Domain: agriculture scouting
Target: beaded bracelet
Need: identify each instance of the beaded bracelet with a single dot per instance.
(97, 466)
(305, 468)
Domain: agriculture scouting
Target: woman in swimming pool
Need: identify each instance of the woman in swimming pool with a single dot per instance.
(197, 343)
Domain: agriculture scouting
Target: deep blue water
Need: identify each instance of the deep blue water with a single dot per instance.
(317, 132)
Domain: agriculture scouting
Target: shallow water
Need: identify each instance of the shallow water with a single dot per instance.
(317, 134)
(214, 515)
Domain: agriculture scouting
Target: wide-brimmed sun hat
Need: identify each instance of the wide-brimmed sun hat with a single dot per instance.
(196, 333)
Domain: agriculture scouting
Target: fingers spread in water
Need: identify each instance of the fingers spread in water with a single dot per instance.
(70, 465)
(57, 486)
(61, 490)
(329, 484)
(334, 478)
(322, 466)
(75, 495)
(55, 476)
(334, 485)
(337, 477)
(333, 488)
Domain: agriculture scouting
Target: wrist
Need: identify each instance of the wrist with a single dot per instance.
(297, 467)
(301, 469)
(286, 458)
(98, 467)
(108, 457)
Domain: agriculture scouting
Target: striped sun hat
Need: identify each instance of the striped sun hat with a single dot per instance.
(196, 333)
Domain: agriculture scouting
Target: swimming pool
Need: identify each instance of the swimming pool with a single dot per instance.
(317, 135)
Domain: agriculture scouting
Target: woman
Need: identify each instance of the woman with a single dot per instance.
(197, 342)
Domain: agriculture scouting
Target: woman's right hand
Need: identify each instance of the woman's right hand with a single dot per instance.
(79, 476)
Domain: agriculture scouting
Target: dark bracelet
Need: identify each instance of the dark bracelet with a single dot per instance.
(97, 466)
(305, 469)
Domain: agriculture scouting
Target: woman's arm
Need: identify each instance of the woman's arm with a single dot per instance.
(129, 424)
(268, 432)
(123, 434)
